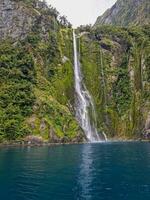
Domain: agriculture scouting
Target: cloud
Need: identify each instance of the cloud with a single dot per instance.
(81, 11)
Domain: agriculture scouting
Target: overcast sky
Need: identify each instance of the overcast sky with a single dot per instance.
(81, 11)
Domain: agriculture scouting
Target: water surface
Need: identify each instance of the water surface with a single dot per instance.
(107, 171)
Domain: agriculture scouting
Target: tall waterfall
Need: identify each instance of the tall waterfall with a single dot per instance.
(85, 111)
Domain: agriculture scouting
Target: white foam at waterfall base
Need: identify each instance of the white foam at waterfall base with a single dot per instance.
(85, 110)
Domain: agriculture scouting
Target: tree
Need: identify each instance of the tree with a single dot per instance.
(64, 22)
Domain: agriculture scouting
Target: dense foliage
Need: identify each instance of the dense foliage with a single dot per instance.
(36, 86)
(115, 63)
(37, 80)
(16, 89)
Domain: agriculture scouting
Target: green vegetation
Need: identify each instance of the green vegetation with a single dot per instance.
(16, 89)
(115, 64)
(37, 79)
(36, 86)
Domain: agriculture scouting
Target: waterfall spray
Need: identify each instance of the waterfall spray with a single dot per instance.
(85, 110)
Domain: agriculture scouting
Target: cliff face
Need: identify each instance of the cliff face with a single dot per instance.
(19, 18)
(126, 12)
(124, 61)
(36, 85)
(115, 63)
(37, 79)
(16, 19)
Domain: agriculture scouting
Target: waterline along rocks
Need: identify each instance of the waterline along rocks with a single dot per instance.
(39, 89)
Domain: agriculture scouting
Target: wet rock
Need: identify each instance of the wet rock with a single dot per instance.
(35, 140)
(146, 131)
(53, 137)
(146, 134)
(147, 125)
(80, 138)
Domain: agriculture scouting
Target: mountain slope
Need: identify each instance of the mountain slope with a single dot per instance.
(115, 63)
(36, 84)
(37, 78)
(126, 12)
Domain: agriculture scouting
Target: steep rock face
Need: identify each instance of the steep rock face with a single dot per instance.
(115, 63)
(18, 19)
(126, 12)
(146, 132)
(37, 80)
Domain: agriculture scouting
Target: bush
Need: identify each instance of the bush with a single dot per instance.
(16, 89)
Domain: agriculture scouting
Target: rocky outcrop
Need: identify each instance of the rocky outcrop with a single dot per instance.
(34, 140)
(116, 73)
(53, 137)
(146, 132)
(127, 12)
(16, 21)
(37, 76)
(19, 19)
(36, 71)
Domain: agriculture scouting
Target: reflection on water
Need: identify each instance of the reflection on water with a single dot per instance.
(86, 172)
(104, 171)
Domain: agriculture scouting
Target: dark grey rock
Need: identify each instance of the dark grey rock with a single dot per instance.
(36, 140)
(126, 12)
(53, 137)
(17, 20)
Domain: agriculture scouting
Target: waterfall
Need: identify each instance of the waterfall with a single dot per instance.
(85, 110)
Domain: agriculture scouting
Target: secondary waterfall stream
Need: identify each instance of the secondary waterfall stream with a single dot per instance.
(85, 110)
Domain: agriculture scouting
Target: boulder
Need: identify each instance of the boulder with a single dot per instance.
(35, 140)
(53, 137)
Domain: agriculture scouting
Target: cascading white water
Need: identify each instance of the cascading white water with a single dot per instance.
(85, 111)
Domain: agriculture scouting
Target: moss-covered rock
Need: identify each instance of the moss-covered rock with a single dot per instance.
(37, 78)
(37, 84)
(115, 66)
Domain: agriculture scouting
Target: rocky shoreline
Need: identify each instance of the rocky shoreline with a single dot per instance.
(45, 143)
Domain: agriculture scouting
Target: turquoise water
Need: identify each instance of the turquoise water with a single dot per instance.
(111, 171)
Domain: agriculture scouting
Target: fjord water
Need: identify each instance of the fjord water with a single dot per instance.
(84, 107)
(102, 171)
